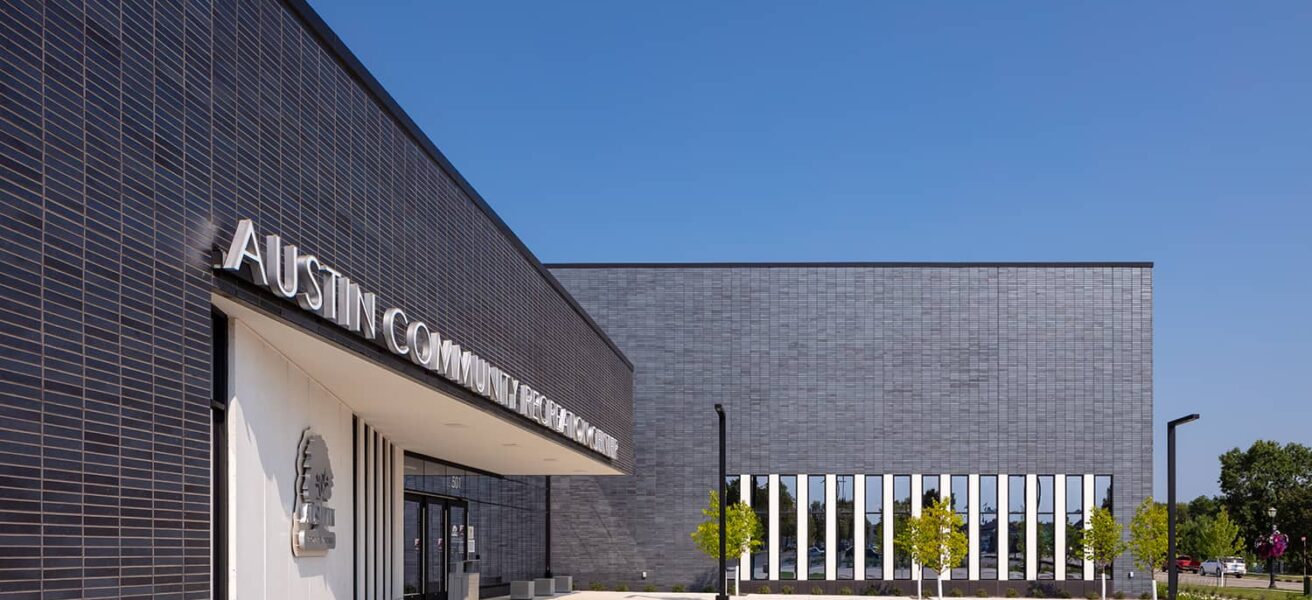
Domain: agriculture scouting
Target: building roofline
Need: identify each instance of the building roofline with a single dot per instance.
(355, 68)
(844, 265)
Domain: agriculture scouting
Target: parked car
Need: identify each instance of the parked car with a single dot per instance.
(1186, 564)
(1232, 565)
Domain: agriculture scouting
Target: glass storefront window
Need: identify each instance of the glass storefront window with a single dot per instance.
(1102, 497)
(901, 512)
(874, 527)
(1047, 533)
(787, 527)
(815, 527)
(845, 517)
(961, 506)
(1016, 528)
(1074, 526)
(929, 490)
(760, 499)
(988, 527)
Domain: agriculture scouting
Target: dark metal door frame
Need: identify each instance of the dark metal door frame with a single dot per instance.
(426, 501)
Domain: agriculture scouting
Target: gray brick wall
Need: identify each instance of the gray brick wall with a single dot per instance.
(877, 369)
(136, 133)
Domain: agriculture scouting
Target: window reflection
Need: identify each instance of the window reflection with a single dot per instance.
(1046, 534)
(874, 527)
(1074, 526)
(815, 527)
(988, 527)
(929, 490)
(1102, 497)
(901, 512)
(845, 517)
(788, 527)
(1016, 527)
(760, 500)
(961, 505)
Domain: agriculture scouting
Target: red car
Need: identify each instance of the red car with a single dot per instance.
(1187, 564)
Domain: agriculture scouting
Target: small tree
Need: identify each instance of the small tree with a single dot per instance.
(1218, 537)
(935, 540)
(744, 529)
(1102, 542)
(1148, 538)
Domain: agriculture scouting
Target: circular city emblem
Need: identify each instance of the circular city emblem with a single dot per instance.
(314, 486)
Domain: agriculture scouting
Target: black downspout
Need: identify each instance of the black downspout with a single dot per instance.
(548, 532)
(724, 592)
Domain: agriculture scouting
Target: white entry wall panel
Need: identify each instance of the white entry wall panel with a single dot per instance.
(774, 527)
(831, 527)
(888, 527)
(744, 496)
(1004, 509)
(945, 492)
(1059, 527)
(272, 403)
(1088, 522)
(1031, 527)
(972, 527)
(859, 526)
(917, 496)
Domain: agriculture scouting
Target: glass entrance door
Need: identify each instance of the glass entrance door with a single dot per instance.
(435, 543)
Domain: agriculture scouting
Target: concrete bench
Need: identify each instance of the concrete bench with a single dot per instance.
(544, 586)
(521, 590)
(564, 584)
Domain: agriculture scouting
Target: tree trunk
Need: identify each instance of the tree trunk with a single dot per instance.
(1104, 583)
(1153, 580)
(940, 586)
(920, 591)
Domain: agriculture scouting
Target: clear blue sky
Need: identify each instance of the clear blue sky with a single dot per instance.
(1179, 133)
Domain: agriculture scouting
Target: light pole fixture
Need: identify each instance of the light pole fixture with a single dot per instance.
(723, 595)
(1172, 568)
(1270, 555)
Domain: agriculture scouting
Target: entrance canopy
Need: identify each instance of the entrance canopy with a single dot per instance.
(419, 417)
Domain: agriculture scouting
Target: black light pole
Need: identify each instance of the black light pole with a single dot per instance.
(1270, 558)
(1307, 586)
(723, 595)
(1172, 569)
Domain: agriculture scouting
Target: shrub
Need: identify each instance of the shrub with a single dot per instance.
(1144, 596)
(621, 587)
(1064, 594)
(649, 588)
(845, 591)
(787, 589)
(596, 586)
(1119, 595)
(1012, 593)
(678, 588)
(896, 592)
(955, 593)
(816, 591)
(1091, 596)
(764, 589)
(981, 593)
(708, 590)
(870, 591)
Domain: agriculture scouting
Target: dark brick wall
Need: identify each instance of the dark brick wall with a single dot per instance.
(135, 134)
(1044, 369)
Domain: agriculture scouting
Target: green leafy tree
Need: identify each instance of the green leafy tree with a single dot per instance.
(934, 540)
(744, 529)
(1268, 475)
(1219, 537)
(1102, 542)
(1148, 538)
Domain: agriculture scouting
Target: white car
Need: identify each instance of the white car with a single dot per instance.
(1232, 565)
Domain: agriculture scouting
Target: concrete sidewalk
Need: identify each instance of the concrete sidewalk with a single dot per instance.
(591, 595)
